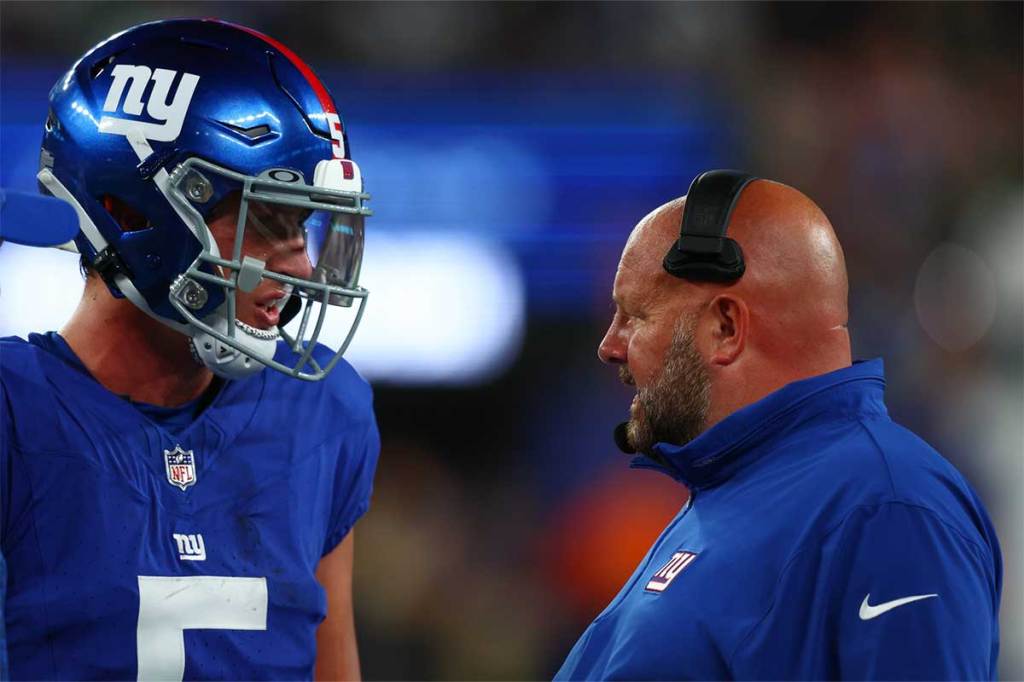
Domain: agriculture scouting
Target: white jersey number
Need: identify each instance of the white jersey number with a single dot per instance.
(169, 605)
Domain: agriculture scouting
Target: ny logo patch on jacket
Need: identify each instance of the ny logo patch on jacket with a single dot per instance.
(660, 581)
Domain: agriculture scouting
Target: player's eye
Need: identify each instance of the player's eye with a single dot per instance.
(278, 223)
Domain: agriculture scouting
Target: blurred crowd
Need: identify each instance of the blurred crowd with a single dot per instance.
(503, 518)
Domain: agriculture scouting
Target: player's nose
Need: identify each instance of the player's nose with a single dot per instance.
(293, 259)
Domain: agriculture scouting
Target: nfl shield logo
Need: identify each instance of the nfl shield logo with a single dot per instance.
(181, 467)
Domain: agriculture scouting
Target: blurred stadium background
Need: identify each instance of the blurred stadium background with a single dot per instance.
(510, 148)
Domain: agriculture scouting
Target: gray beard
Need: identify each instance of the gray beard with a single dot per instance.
(675, 407)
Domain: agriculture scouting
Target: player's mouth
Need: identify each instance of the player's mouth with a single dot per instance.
(267, 309)
(266, 316)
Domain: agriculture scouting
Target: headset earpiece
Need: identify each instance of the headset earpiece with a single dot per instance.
(703, 252)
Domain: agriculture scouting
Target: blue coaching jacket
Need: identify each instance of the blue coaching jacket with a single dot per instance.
(821, 541)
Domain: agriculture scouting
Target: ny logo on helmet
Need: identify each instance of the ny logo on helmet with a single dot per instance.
(170, 112)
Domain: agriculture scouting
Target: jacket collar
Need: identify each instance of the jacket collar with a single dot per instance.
(741, 438)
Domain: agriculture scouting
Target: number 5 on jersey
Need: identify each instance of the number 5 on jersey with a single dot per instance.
(169, 605)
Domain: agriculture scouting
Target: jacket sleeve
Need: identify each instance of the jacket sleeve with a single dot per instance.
(915, 598)
(893, 592)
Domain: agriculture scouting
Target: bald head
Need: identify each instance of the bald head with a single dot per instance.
(795, 279)
(795, 265)
(783, 320)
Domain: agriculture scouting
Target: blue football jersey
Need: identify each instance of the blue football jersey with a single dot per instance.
(821, 541)
(134, 550)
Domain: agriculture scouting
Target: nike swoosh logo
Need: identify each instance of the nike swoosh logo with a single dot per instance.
(867, 611)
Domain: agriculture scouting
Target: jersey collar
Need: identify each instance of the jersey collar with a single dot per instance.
(745, 435)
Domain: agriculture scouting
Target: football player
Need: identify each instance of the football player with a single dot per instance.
(180, 468)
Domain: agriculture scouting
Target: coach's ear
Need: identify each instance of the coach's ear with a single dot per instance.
(729, 323)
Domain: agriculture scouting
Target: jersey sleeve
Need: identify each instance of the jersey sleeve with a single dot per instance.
(353, 482)
(893, 593)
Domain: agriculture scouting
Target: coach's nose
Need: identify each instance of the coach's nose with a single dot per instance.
(612, 349)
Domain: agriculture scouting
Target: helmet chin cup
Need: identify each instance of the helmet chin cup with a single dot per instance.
(225, 361)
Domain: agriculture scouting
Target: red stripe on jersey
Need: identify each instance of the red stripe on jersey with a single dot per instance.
(314, 82)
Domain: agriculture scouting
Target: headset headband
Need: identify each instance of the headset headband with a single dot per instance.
(703, 252)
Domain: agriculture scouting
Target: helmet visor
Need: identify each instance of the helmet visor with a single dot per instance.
(335, 246)
(333, 240)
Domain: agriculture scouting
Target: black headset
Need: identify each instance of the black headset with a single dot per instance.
(703, 252)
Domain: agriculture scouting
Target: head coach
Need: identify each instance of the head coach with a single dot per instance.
(821, 540)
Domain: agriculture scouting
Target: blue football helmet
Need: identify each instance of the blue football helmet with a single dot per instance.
(175, 118)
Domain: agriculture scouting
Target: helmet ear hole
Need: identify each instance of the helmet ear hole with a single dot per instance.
(130, 219)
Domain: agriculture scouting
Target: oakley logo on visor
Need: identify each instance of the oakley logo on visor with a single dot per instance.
(169, 111)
